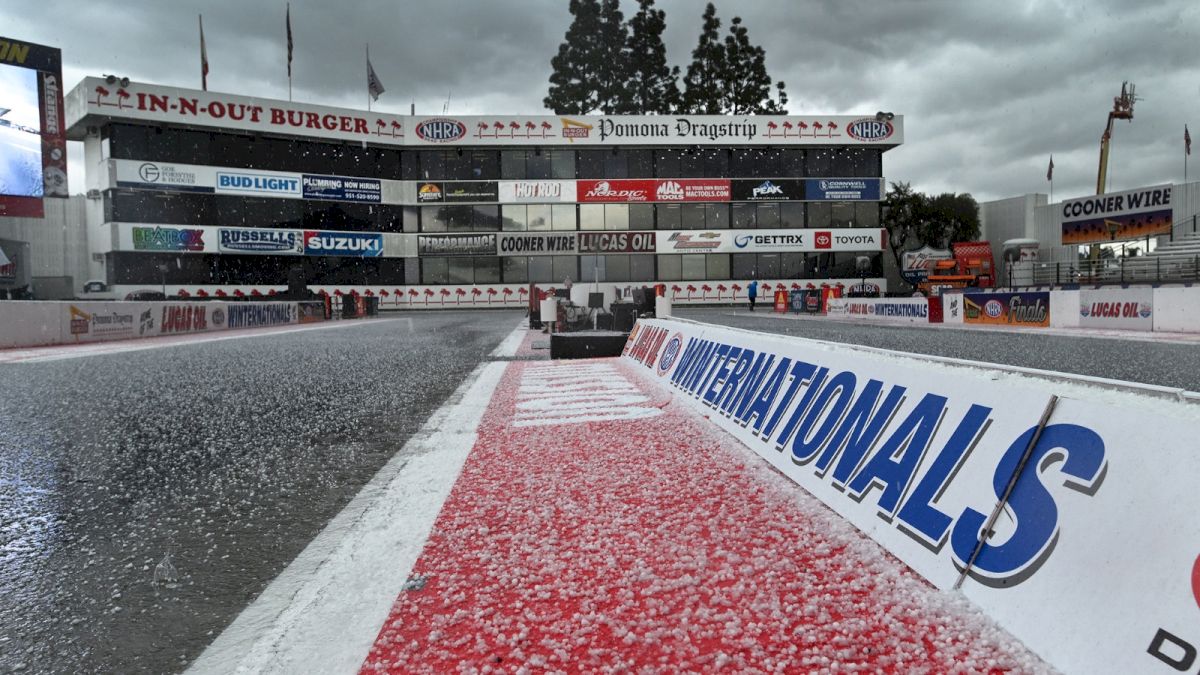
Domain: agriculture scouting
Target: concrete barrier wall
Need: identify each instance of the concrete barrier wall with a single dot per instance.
(1177, 309)
(917, 454)
(34, 324)
(1064, 309)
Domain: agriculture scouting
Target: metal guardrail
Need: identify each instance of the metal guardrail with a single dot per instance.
(1141, 269)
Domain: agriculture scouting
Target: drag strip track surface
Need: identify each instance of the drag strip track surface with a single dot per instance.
(1165, 364)
(229, 455)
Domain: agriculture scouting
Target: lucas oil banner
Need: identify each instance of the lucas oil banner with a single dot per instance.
(919, 456)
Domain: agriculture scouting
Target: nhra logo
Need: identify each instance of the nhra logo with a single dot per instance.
(670, 191)
(441, 130)
(767, 189)
(822, 240)
(669, 354)
(870, 130)
(218, 317)
(993, 308)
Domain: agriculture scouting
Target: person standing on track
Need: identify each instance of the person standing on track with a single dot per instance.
(752, 292)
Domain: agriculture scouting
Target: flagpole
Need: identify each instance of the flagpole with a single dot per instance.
(289, 49)
(204, 57)
(369, 81)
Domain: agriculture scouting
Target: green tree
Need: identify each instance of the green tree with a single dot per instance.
(590, 71)
(904, 213)
(653, 84)
(951, 217)
(730, 76)
(706, 74)
(748, 86)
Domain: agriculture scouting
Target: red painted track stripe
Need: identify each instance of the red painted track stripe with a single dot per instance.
(658, 545)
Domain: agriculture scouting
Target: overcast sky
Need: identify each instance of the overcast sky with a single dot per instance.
(988, 89)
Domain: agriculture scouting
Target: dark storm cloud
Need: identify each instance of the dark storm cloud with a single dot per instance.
(989, 89)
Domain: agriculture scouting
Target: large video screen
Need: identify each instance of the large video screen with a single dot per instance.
(33, 151)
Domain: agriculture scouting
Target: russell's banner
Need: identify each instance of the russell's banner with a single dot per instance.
(1093, 561)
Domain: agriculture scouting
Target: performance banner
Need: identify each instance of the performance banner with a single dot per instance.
(456, 244)
(1028, 308)
(919, 458)
(1118, 216)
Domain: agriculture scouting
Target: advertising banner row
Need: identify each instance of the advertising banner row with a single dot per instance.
(134, 174)
(919, 459)
(900, 310)
(46, 323)
(95, 97)
(232, 240)
(33, 139)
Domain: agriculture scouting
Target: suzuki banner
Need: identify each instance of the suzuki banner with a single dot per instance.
(918, 456)
(770, 241)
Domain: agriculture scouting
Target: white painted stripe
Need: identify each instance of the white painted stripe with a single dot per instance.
(60, 352)
(323, 612)
(509, 346)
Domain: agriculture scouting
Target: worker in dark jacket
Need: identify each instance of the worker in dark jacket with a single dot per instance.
(752, 292)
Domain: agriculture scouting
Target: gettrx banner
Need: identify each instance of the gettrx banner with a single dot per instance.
(771, 241)
(917, 456)
(1117, 216)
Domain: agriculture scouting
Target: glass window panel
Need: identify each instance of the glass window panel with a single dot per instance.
(431, 219)
(791, 163)
(410, 168)
(486, 217)
(616, 217)
(590, 163)
(669, 267)
(744, 215)
(717, 265)
(541, 270)
(843, 214)
(516, 270)
(512, 164)
(768, 265)
(716, 216)
(641, 216)
(539, 217)
(693, 216)
(666, 163)
(866, 214)
(693, 266)
(563, 217)
(791, 214)
(716, 162)
(791, 265)
(562, 164)
(820, 163)
(820, 214)
(640, 163)
(432, 165)
(768, 216)
(487, 270)
(670, 216)
(513, 217)
(615, 164)
(485, 165)
(591, 216)
(641, 268)
(744, 265)
(617, 267)
(411, 218)
(691, 164)
(460, 271)
(592, 268)
(565, 267)
(459, 218)
(537, 164)
(433, 270)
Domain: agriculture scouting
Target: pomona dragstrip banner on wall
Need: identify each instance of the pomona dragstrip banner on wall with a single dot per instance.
(918, 455)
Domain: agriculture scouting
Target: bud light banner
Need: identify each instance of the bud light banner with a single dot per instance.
(342, 189)
(1095, 535)
(1029, 308)
(355, 244)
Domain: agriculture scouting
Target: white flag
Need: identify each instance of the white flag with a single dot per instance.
(374, 86)
(4, 261)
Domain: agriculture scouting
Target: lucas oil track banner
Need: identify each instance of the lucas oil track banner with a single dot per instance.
(918, 455)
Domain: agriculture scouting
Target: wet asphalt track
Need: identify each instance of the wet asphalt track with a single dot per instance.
(1171, 365)
(232, 455)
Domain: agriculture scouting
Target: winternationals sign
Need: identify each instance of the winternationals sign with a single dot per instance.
(96, 98)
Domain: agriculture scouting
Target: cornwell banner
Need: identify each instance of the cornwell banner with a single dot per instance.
(1117, 216)
(919, 460)
(94, 96)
